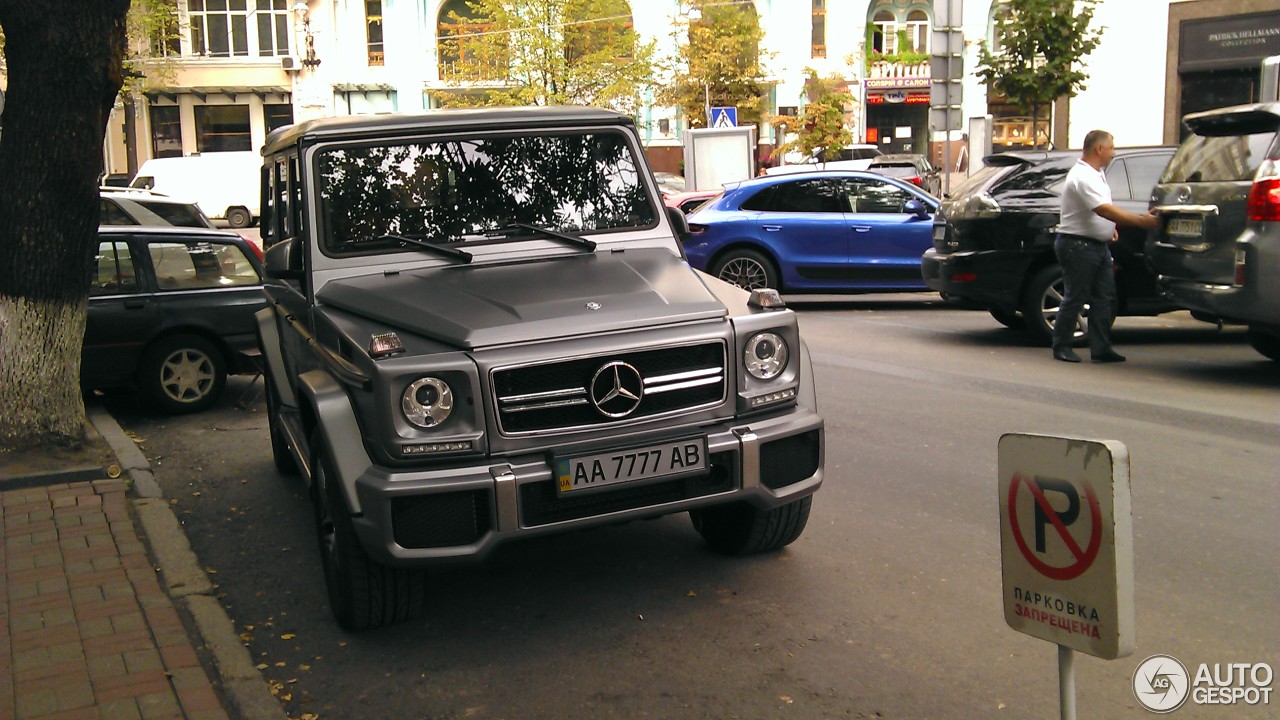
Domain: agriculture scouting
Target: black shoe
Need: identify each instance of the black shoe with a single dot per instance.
(1066, 354)
(1109, 357)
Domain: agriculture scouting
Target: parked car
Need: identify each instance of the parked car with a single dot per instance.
(486, 332)
(224, 184)
(123, 206)
(911, 167)
(171, 313)
(831, 231)
(852, 157)
(1218, 246)
(687, 202)
(993, 239)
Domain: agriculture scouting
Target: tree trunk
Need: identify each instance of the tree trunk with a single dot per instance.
(65, 67)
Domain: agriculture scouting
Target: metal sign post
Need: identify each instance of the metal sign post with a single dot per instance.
(946, 71)
(1066, 547)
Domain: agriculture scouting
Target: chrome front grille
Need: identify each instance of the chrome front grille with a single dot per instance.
(558, 395)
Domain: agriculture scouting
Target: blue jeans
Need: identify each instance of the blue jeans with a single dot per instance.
(1088, 277)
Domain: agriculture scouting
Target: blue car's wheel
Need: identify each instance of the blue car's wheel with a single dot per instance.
(747, 269)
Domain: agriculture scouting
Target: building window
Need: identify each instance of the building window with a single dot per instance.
(818, 40)
(883, 37)
(460, 38)
(373, 25)
(165, 33)
(277, 115)
(222, 128)
(273, 27)
(219, 28)
(166, 131)
(918, 31)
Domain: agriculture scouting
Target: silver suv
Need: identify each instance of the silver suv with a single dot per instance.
(483, 329)
(1218, 247)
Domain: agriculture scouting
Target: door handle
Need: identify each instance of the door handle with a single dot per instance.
(135, 304)
(771, 228)
(861, 228)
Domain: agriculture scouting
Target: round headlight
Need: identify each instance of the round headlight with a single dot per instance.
(427, 402)
(765, 356)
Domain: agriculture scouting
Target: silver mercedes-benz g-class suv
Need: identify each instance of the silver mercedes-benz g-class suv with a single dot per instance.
(481, 328)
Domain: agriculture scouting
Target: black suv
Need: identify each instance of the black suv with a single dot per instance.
(993, 239)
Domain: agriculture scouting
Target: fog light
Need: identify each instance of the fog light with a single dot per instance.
(433, 448)
(773, 397)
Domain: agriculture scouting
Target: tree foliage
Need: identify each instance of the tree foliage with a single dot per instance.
(718, 62)
(545, 52)
(64, 61)
(1042, 43)
(820, 125)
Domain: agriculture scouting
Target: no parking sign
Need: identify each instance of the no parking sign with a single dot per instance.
(1066, 541)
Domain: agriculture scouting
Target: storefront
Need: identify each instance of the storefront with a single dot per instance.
(1217, 59)
(898, 114)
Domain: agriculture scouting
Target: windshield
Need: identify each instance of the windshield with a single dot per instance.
(447, 190)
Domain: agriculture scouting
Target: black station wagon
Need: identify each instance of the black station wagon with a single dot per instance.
(171, 313)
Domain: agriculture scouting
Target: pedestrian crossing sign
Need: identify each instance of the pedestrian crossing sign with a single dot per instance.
(724, 117)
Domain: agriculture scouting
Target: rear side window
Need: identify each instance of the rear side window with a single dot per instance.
(1048, 175)
(761, 200)
(200, 265)
(1118, 180)
(109, 213)
(113, 272)
(175, 213)
(807, 196)
(1144, 171)
(1225, 158)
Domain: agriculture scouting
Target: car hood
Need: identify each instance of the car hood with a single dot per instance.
(472, 306)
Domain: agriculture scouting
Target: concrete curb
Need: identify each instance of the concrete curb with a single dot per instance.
(187, 583)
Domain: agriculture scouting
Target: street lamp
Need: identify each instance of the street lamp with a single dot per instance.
(304, 16)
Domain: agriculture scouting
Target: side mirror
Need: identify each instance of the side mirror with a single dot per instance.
(679, 223)
(916, 208)
(284, 260)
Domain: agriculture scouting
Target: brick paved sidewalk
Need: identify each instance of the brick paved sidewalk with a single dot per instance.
(85, 629)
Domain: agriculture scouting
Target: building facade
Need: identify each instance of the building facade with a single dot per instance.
(245, 67)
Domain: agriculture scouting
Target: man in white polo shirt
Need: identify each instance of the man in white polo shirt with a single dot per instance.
(1087, 228)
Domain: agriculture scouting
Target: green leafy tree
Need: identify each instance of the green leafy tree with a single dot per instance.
(1042, 43)
(718, 62)
(546, 52)
(820, 124)
(51, 155)
(151, 56)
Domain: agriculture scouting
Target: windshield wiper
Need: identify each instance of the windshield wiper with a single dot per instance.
(445, 250)
(548, 232)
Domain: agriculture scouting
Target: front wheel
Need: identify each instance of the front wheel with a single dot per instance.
(748, 269)
(1041, 303)
(182, 374)
(238, 217)
(740, 529)
(363, 593)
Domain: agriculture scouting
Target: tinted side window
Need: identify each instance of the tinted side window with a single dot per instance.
(175, 214)
(1226, 158)
(109, 213)
(1144, 172)
(874, 196)
(761, 200)
(200, 265)
(807, 196)
(113, 270)
(1048, 175)
(1118, 179)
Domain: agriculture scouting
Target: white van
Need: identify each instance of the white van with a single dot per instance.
(224, 184)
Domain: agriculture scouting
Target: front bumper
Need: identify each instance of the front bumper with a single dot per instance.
(463, 513)
(991, 278)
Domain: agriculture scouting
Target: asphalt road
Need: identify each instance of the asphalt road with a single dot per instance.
(888, 606)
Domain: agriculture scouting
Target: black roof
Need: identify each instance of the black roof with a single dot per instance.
(441, 119)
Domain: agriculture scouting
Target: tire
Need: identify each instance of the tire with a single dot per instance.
(182, 374)
(1006, 318)
(748, 269)
(1040, 307)
(363, 593)
(1265, 343)
(280, 454)
(238, 217)
(740, 529)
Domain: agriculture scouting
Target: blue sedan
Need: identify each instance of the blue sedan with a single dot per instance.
(832, 231)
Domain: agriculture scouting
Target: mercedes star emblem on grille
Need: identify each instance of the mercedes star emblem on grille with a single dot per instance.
(616, 389)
